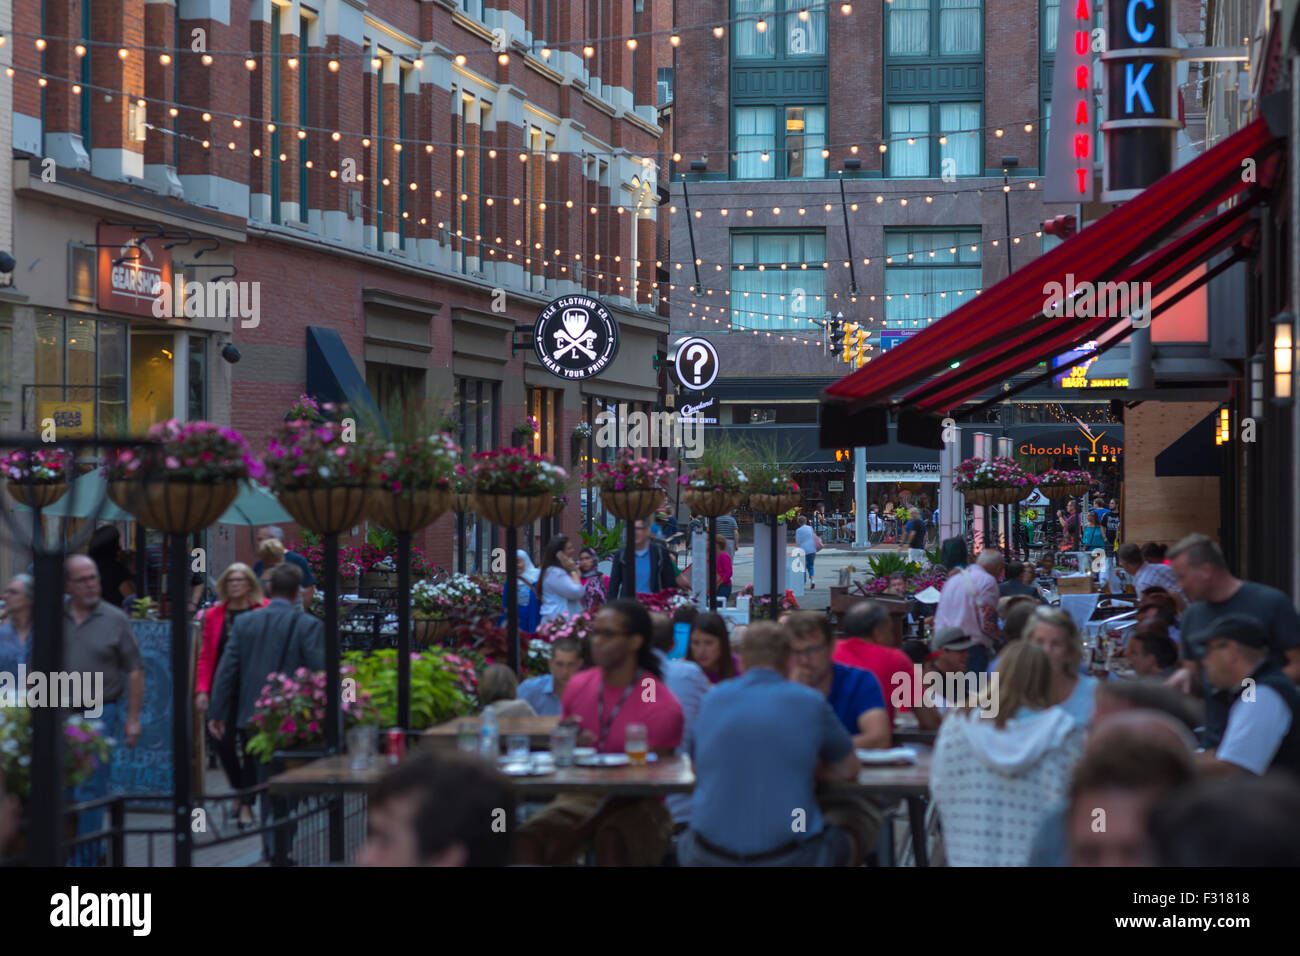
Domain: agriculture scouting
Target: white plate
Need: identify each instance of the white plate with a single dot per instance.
(580, 752)
(527, 769)
(884, 758)
(603, 760)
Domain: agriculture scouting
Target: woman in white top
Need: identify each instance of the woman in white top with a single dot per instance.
(998, 767)
(805, 538)
(560, 587)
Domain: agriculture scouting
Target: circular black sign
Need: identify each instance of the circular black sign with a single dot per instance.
(696, 363)
(575, 337)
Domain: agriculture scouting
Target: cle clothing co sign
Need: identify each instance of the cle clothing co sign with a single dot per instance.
(575, 337)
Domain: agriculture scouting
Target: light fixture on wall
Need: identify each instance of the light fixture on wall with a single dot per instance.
(1255, 371)
(1223, 433)
(1283, 357)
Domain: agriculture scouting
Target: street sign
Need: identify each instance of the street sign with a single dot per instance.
(575, 337)
(697, 363)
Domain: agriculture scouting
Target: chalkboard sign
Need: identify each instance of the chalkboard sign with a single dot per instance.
(147, 767)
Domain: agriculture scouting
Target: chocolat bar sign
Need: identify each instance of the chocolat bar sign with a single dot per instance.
(575, 337)
(1141, 125)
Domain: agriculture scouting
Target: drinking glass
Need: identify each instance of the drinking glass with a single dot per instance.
(564, 738)
(517, 748)
(363, 745)
(467, 737)
(634, 743)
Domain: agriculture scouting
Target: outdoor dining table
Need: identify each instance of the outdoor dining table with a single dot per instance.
(909, 782)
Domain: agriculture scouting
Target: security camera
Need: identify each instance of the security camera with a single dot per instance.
(7, 262)
(230, 353)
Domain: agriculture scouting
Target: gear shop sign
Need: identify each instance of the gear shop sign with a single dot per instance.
(575, 337)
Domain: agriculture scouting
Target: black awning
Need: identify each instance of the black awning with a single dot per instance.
(1194, 455)
(332, 376)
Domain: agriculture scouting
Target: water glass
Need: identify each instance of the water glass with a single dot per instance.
(634, 743)
(564, 738)
(363, 746)
(467, 737)
(517, 748)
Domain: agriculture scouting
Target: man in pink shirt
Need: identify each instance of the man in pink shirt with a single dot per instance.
(625, 687)
(868, 642)
(969, 602)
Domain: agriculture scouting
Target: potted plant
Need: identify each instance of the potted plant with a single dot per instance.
(771, 488)
(144, 609)
(525, 431)
(322, 472)
(187, 475)
(443, 685)
(992, 481)
(84, 750)
(462, 491)
(631, 485)
(1063, 483)
(435, 604)
(513, 487)
(415, 481)
(38, 477)
(290, 713)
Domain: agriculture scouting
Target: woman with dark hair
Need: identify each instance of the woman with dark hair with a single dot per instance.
(1153, 553)
(1093, 535)
(560, 588)
(954, 554)
(711, 648)
(595, 586)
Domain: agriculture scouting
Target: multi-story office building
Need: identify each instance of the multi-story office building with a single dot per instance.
(395, 187)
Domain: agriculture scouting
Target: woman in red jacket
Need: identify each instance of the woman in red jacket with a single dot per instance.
(238, 592)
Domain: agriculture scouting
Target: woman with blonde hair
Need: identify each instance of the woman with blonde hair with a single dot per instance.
(1000, 765)
(270, 554)
(238, 592)
(1055, 632)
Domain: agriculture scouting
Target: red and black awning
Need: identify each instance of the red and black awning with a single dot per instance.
(1160, 236)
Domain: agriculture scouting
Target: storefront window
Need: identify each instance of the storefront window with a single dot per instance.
(80, 361)
(152, 374)
(113, 382)
(197, 395)
(477, 404)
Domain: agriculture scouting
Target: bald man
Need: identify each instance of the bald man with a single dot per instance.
(98, 639)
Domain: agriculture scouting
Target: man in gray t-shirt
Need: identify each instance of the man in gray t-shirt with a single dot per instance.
(1215, 593)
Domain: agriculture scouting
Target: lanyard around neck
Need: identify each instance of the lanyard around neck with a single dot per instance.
(604, 728)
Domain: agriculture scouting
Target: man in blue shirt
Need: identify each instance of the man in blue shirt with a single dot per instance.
(655, 570)
(546, 692)
(760, 743)
(853, 693)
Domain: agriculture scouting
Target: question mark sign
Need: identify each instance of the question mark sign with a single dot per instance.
(701, 355)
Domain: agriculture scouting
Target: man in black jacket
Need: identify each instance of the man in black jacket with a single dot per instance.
(277, 639)
(655, 570)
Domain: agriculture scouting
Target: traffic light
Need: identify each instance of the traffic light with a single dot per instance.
(1063, 227)
(836, 328)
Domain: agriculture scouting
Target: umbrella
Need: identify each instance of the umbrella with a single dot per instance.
(255, 505)
(80, 499)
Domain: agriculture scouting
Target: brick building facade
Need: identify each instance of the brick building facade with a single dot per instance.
(415, 177)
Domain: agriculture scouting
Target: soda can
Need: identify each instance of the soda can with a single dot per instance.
(396, 744)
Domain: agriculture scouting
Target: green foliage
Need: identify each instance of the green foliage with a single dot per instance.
(144, 609)
(604, 541)
(766, 464)
(789, 516)
(383, 539)
(935, 557)
(883, 565)
(437, 690)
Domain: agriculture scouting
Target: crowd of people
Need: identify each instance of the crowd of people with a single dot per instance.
(1030, 744)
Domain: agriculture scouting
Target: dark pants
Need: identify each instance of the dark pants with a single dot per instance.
(240, 768)
(278, 842)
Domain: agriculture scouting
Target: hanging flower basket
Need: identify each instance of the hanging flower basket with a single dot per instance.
(985, 497)
(633, 505)
(183, 507)
(1053, 492)
(511, 509)
(125, 494)
(710, 504)
(429, 630)
(409, 510)
(767, 504)
(327, 510)
(558, 504)
(1064, 483)
(35, 495)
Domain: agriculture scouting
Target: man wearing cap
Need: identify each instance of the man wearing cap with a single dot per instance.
(949, 654)
(1262, 730)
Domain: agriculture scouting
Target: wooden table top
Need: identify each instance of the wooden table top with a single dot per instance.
(538, 729)
(664, 776)
(907, 780)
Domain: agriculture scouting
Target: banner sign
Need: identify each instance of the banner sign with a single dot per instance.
(575, 337)
(1141, 125)
(132, 270)
(1070, 143)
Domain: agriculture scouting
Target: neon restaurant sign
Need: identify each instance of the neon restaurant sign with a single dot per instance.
(1070, 142)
